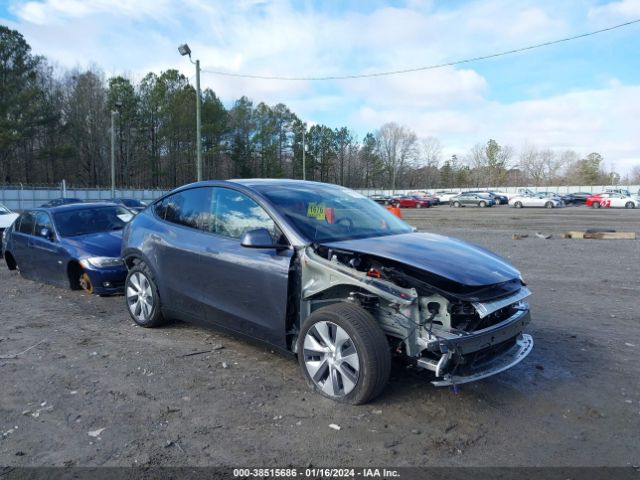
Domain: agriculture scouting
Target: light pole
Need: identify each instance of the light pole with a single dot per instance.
(304, 147)
(185, 50)
(117, 104)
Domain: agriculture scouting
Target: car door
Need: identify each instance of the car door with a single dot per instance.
(179, 247)
(20, 243)
(247, 288)
(48, 255)
(615, 200)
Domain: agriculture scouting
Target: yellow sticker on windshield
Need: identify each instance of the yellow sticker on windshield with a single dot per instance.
(316, 210)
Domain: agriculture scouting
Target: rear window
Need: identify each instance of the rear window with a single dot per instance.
(91, 220)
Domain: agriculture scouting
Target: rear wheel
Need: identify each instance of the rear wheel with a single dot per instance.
(343, 353)
(629, 205)
(549, 205)
(141, 295)
(518, 204)
(595, 204)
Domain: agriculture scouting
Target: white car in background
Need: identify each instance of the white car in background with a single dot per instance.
(618, 200)
(444, 197)
(7, 217)
(542, 201)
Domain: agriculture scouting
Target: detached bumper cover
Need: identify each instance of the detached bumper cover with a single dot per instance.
(500, 363)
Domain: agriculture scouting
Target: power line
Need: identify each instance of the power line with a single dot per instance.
(418, 69)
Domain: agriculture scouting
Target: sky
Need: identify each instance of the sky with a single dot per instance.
(582, 95)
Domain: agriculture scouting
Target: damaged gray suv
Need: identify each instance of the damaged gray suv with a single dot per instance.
(322, 272)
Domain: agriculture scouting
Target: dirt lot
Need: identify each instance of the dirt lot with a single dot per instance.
(574, 401)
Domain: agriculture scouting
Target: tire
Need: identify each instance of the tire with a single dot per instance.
(595, 204)
(548, 205)
(518, 204)
(360, 379)
(629, 205)
(418, 205)
(482, 204)
(11, 262)
(456, 204)
(142, 297)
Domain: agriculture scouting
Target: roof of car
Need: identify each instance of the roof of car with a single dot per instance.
(75, 206)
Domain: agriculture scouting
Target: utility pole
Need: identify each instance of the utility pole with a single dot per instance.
(198, 125)
(113, 153)
(117, 104)
(304, 147)
(185, 50)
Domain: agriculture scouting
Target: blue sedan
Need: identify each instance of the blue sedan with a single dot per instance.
(75, 246)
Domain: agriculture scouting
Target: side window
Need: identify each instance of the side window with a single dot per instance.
(160, 208)
(191, 208)
(27, 223)
(43, 221)
(235, 213)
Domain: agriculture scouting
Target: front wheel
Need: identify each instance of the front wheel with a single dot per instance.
(418, 205)
(141, 295)
(549, 205)
(629, 205)
(482, 204)
(456, 204)
(518, 204)
(343, 353)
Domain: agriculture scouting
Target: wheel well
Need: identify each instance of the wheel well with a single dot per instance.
(11, 262)
(131, 261)
(74, 270)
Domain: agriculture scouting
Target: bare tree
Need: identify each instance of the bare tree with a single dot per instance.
(397, 148)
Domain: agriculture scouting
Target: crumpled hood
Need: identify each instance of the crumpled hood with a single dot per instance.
(446, 257)
(103, 244)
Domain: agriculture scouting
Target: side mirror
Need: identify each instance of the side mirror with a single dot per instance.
(46, 233)
(257, 238)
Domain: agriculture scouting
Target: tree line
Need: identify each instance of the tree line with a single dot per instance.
(56, 125)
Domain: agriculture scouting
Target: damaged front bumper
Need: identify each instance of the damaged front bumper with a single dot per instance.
(513, 356)
(482, 353)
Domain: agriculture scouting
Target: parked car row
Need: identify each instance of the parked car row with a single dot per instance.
(312, 269)
(612, 198)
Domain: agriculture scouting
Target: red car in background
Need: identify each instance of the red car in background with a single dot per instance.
(410, 201)
(425, 196)
(596, 200)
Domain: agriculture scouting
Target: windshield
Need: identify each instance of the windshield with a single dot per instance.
(4, 210)
(71, 223)
(327, 213)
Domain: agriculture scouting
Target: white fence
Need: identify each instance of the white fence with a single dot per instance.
(23, 197)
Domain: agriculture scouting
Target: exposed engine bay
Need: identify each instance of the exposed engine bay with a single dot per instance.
(460, 332)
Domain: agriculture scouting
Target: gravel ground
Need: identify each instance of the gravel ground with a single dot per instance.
(97, 390)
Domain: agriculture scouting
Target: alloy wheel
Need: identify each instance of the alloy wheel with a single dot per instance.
(140, 296)
(331, 359)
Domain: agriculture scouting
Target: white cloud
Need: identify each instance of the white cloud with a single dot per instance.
(615, 11)
(603, 121)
